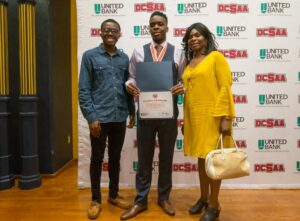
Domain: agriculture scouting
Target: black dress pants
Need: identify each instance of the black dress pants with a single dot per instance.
(166, 131)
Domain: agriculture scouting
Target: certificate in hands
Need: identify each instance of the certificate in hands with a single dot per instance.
(155, 80)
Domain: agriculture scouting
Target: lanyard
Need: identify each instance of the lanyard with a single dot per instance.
(161, 54)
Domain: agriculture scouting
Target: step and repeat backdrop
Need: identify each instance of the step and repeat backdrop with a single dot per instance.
(261, 41)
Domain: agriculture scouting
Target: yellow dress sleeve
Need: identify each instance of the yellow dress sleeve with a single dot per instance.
(224, 104)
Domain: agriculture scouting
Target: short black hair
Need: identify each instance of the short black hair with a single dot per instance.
(211, 45)
(110, 20)
(159, 13)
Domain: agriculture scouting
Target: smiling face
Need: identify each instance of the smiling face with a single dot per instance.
(158, 28)
(196, 41)
(110, 34)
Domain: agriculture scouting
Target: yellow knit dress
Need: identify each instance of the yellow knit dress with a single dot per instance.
(208, 96)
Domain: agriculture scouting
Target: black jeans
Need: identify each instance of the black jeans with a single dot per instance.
(112, 134)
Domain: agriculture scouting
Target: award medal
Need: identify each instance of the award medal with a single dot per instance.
(155, 57)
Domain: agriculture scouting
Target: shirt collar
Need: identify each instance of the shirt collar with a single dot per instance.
(162, 44)
(103, 51)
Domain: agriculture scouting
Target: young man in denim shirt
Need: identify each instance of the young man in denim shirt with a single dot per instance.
(105, 104)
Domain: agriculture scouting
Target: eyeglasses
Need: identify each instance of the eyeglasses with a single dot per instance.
(109, 30)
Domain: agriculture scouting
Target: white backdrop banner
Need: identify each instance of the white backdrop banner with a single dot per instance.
(261, 41)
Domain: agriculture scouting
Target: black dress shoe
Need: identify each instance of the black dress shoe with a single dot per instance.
(210, 214)
(133, 211)
(198, 206)
(167, 207)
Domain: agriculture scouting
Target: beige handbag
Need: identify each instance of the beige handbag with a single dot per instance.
(226, 163)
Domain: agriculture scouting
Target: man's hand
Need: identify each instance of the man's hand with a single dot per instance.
(95, 128)
(177, 89)
(131, 121)
(132, 89)
(225, 125)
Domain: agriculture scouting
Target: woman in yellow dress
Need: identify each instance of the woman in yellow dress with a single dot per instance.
(208, 109)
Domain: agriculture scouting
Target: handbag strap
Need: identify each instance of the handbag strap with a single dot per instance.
(220, 140)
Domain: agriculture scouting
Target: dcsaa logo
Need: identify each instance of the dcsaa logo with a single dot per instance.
(240, 99)
(233, 8)
(269, 167)
(270, 77)
(234, 53)
(270, 123)
(271, 32)
(149, 7)
(179, 32)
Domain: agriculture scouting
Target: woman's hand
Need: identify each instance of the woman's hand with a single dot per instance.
(225, 126)
(178, 89)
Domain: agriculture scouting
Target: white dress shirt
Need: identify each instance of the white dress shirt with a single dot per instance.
(138, 56)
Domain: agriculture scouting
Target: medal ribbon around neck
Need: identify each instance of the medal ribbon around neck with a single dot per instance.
(161, 54)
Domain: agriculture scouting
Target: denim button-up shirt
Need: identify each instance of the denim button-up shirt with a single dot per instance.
(102, 94)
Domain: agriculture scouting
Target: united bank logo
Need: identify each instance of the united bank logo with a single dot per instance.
(195, 8)
(238, 123)
(269, 168)
(269, 123)
(271, 144)
(274, 8)
(298, 166)
(271, 32)
(108, 9)
(298, 121)
(180, 99)
(233, 8)
(141, 31)
(230, 31)
(149, 7)
(135, 166)
(272, 99)
(185, 167)
(273, 54)
(179, 145)
(234, 53)
(271, 78)
(95, 32)
(238, 76)
(240, 99)
(179, 32)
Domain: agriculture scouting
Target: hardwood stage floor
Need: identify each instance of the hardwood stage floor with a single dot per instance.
(58, 199)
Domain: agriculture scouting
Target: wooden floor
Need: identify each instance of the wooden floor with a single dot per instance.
(59, 199)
